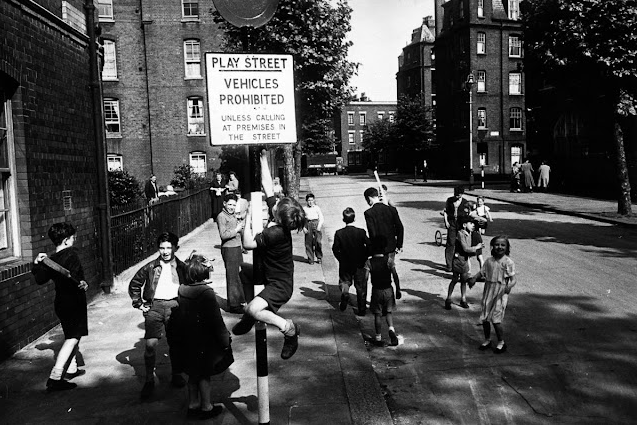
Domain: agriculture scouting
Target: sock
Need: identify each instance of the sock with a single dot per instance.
(500, 344)
(73, 366)
(149, 363)
(486, 343)
(391, 328)
(56, 374)
(290, 328)
(377, 337)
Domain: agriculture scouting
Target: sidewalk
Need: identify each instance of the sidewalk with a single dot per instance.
(590, 208)
(330, 379)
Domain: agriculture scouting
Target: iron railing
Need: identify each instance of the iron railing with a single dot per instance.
(135, 227)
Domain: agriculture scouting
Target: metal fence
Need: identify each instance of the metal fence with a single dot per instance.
(134, 228)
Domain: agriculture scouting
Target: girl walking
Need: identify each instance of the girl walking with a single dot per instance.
(500, 277)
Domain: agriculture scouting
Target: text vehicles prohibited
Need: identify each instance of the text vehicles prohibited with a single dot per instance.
(251, 98)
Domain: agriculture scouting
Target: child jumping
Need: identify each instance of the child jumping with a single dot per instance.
(500, 277)
(482, 211)
(382, 302)
(460, 262)
(274, 245)
(69, 303)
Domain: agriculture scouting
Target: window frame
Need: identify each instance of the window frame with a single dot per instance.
(202, 158)
(515, 110)
(515, 88)
(362, 118)
(481, 118)
(350, 118)
(191, 61)
(112, 156)
(195, 119)
(515, 43)
(351, 138)
(514, 10)
(116, 103)
(13, 247)
(190, 3)
(104, 4)
(109, 77)
(480, 8)
(481, 41)
(481, 81)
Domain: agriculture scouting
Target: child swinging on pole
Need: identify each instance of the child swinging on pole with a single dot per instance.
(274, 246)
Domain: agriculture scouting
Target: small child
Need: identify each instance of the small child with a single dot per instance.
(69, 303)
(500, 277)
(350, 248)
(206, 339)
(314, 224)
(482, 211)
(460, 263)
(382, 301)
(274, 245)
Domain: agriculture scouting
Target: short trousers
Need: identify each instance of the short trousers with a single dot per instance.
(460, 265)
(382, 301)
(276, 294)
(477, 239)
(162, 315)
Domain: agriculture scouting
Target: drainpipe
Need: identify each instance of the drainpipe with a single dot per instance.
(144, 23)
(100, 140)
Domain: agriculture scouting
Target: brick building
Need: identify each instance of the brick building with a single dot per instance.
(353, 119)
(416, 65)
(482, 38)
(154, 89)
(50, 157)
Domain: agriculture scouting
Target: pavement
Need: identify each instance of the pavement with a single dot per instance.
(330, 380)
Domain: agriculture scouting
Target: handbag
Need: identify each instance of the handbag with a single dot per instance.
(225, 362)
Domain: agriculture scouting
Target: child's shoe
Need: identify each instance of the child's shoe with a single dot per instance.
(485, 345)
(244, 325)
(448, 305)
(59, 385)
(394, 341)
(500, 350)
(75, 374)
(290, 343)
(464, 304)
(344, 302)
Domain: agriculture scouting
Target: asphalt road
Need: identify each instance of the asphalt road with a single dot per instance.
(570, 324)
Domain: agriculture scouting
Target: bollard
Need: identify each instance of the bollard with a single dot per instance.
(482, 177)
(261, 349)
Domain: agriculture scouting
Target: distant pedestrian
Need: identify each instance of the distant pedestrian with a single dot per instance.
(154, 291)
(206, 338)
(516, 178)
(350, 248)
(455, 207)
(278, 189)
(230, 228)
(461, 263)
(424, 170)
(151, 190)
(274, 245)
(500, 277)
(312, 231)
(233, 184)
(543, 176)
(217, 191)
(69, 303)
(528, 176)
(382, 301)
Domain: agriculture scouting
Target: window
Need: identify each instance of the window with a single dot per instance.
(192, 59)
(482, 118)
(515, 83)
(516, 119)
(351, 137)
(114, 162)
(109, 71)
(190, 9)
(480, 81)
(513, 9)
(112, 117)
(481, 149)
(362, 118)
(198, 162)
(8, 229)
(515, 46)
(105, 9)
(196, 116)
(360, 136)
(391, 117)
(350, 118)
(380, 115)
(481, 8)
(516, 154)
(480, 43)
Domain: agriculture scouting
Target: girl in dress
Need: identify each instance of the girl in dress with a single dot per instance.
(482, 211)
(500, 277)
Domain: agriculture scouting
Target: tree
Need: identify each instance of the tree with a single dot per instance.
(123, 187)
(314, 32)
(378, 136)
(413, 127)
(596, 39)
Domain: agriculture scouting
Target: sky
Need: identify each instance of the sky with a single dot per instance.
(380, 29)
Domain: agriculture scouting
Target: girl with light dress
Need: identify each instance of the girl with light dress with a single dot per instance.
(500, 277)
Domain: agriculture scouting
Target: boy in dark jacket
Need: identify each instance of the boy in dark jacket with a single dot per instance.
(154, 290)
(350, 248)
(70, 302)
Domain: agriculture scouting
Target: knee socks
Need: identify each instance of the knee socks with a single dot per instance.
(149, 363)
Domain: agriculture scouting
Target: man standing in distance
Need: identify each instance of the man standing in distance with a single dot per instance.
(385, 229)
(151, 191)
(153, 290)
(455, 207)
(230, 228)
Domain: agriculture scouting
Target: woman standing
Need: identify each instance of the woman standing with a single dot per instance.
(528, 177)
(217, 189)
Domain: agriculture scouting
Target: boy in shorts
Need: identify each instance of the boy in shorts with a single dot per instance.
(69, 304)
(382, 302)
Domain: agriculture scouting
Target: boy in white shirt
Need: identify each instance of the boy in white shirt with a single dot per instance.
(313, 230)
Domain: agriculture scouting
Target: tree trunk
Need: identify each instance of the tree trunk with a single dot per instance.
(290, 174)
(624, 195)
(297, 151)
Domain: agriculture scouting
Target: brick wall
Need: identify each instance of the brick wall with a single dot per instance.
(55, 156)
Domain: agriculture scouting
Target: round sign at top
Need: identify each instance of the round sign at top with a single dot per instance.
(242, 13)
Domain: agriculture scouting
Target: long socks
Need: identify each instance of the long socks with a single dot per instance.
(149, 363)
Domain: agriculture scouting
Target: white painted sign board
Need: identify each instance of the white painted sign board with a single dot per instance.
(251, 98)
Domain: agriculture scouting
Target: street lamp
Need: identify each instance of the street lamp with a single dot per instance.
(469, 83)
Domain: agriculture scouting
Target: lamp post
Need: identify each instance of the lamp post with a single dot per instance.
(469, 83)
